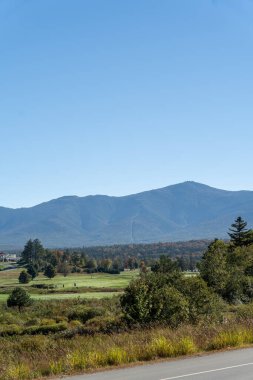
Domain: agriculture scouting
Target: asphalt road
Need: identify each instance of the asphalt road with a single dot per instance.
(235, 365)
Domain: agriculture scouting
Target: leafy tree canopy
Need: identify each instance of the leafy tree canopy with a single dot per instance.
(165, 265)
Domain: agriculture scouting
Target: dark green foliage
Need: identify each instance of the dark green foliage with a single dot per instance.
(32, 271)
(24, 277)
(213, 266)
(91, 266)
(19, 298)
(33, 252)
(50, 271)
(239, 234)
(64, 269)
(168, 298)
(120, 254)
(50, 258)
(173, 307)
(165, 265)
(228, 269)
(203, 302)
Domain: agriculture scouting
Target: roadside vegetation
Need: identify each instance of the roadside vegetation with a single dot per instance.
(162, 313)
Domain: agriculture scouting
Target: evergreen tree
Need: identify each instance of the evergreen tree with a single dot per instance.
(50, 271)
(27, 253)
(38, 250)
(239, 234)
(33, 252)
(32, 271)
(19, 298)
(24, 277)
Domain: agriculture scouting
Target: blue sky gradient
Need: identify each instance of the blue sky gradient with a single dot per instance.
(116, 97)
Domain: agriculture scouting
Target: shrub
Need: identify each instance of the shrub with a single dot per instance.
(84, 313)
(174, 307)
(244, 312)
(105, 324)
(203, 302)
(151, 299)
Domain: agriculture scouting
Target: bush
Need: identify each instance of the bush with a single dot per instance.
(244, 312)
(105, 324)
(203, 302)
(173, 306)
(84, 313)
(151, 299)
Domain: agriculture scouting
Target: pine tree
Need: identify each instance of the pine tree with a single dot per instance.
(50, 271)
(19, 298)
(32, 271)
(27, 253)
(33, 252)
(24, 277)
(239, 234)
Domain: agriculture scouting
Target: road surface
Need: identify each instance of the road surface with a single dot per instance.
(235, 365)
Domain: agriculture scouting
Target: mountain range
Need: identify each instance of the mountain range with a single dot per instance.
(184, 211)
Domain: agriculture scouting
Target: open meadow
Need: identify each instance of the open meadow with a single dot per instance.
(97, 285)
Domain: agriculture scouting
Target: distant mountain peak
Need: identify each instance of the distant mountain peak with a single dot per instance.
(184, 211)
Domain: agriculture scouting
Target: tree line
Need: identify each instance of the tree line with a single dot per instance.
(166, 295)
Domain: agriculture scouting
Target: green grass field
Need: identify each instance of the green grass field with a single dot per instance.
(62, 296)
(98, 285)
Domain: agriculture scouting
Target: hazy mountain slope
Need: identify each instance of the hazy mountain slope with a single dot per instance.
(180, 212)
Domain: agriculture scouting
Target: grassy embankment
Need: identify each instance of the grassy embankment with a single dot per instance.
(53, 338)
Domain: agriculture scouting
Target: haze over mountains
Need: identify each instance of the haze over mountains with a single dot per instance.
(184, 211)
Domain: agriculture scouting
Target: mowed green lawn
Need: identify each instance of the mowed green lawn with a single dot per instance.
(62, 296)
(108, 282)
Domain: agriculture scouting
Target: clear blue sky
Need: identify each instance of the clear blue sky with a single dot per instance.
(120, 96)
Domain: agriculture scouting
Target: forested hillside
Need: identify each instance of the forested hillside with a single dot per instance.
(180, 212)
